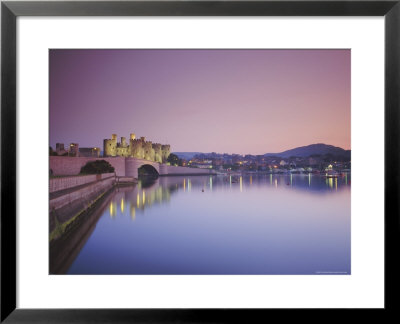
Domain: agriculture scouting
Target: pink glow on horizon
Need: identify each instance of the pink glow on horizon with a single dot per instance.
(233, 101)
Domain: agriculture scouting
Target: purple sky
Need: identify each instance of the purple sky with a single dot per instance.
(233, 101)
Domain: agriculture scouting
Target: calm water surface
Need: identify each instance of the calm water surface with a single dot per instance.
(265, 224)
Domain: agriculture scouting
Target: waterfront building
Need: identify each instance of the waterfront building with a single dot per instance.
(89, 151)
(73, 149)
(60, 149)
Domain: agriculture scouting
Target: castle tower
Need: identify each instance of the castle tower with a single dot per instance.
(165, 151)
(137, 149)
(157, 152)
(110, 146)
(148, 151)
(132, 136)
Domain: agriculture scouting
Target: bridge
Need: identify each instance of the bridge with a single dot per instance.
(132, 166)
(124, 166)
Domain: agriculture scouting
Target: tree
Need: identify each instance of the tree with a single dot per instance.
(97, 167)
(173, 159)
(52, 152)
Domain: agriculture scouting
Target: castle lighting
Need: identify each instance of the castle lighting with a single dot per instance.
(136, 147)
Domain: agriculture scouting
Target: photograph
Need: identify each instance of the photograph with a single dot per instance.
(199, 161)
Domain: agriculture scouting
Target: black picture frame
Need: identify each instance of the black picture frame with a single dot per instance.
(11, 10)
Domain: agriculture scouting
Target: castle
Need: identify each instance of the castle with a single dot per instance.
(137, 148)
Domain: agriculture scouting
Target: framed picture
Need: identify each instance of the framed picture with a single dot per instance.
(257, 165)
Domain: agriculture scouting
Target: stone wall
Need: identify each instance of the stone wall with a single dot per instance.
(65, 207)
(66, 166)
(57, 184)
(85, 194)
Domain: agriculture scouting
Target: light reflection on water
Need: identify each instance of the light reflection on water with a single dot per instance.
(250, 224)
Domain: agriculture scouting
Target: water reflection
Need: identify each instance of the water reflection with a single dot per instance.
(157, 191)
(233, 224)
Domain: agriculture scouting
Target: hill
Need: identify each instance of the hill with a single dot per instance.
(303, 151)
(313, 149)
(186, 155)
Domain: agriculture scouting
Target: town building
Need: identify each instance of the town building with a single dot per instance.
(73, 149)
(60, 149)
(89, 151)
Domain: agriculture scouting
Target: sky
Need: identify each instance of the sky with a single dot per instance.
(224, 101)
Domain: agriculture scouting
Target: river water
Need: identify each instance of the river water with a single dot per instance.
(250, 224)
